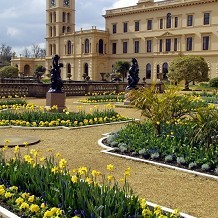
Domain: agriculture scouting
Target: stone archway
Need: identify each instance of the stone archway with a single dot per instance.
(26, 70)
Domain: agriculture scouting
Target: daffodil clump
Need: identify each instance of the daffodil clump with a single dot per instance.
(10, 102)
(104, 97)
(56, 191)
(32, 116)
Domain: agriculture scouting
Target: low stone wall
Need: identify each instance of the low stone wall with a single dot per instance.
(71, 89)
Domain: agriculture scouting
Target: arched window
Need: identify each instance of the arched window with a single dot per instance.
(64, 17)
(86, 69)
(54, 16)
(101, 46)
(26, 70)
(54, 31)
(86, 46)
(169, 20)
(50, 49)
(165, 70)
(69, 47)
(50, 15)
(148, 71)
(54, 48)
(68, 17)
(68, 71)
(158, 71)
(50, 34)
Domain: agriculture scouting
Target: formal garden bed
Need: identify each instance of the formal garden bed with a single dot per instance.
(33, 116)
(12, 102)
(179, 130)
(32, 185)
(104, 98)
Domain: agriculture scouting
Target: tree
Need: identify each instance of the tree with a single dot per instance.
(9, 72)
(122, 67)
(188, 68)
(6, 53)
(36, 50)
(39, 71)
(214, 82)
(26, 53)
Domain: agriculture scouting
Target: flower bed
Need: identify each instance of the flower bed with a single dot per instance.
(48, 189)
(104, 98)
(11, 103)
(179, 129)
(32, 116)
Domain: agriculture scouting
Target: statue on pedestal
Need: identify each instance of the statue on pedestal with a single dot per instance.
(133, 76)
(56, 81)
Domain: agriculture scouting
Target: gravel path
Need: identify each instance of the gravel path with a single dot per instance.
(191, 194)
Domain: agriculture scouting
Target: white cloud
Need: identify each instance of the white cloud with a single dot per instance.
(12, 32)
(124, 3)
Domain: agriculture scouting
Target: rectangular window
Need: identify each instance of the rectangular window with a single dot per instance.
(175, 44)
(161, 23)
(176, 22)
(168, 44)
(114, 28)
(161, 45)
(206, 18)
(136, 46)
(149, 25)
(125, 27)
(189, 44)
(190, 20)
(124, 47)
(206, 40)
(136, 25)
(149, 45)
(114, 48)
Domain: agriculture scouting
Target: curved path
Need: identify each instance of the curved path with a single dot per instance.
(191, 194)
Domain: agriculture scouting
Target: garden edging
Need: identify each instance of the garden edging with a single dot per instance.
(4, 213)
(108, 150)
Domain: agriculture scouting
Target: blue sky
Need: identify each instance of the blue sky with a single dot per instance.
(22, 23)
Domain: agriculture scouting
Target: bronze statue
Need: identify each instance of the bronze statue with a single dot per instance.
(56, 81)
(133, 76)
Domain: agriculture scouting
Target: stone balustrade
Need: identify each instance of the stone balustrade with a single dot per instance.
(70, 88)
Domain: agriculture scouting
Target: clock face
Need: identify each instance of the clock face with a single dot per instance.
(53, 2)
(67, 2)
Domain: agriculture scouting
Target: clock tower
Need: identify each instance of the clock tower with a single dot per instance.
(60, 21)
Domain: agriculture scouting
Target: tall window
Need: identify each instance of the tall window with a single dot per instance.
(148, 71)
(136, 25)
(114, 48)
(165, 70)
(87, 46)
(169, 20)
(124, 47)
(158, 71)
(68, 69)
(68, 17)
(149, 25)
(64, 17)
(176, 22)
(161, 45)
(149, 45)
(136, 46)
(114, 28)
(100, 46)
(168, 44)
(206, 18)
(86, 69)
(190, 20)
(175, 44)
(206, 40)
(125, 27)
(161, 23)
(189, 44)
(69, 46)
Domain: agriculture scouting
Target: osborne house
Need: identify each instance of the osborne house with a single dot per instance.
(152, 32)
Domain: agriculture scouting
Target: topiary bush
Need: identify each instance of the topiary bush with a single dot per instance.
(9, 72)
(214, 82)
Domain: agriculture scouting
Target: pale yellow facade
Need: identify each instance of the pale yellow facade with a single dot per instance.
(152, 32)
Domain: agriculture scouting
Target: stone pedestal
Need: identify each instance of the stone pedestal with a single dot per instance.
(56, 98)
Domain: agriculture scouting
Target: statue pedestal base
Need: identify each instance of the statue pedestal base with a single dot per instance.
(53, 98)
